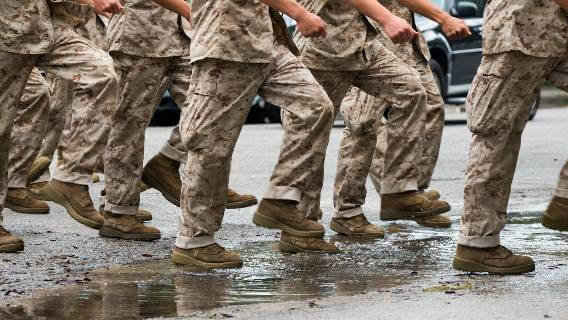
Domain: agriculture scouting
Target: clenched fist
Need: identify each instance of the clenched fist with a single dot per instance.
(455, 28)
(310, 25)
(108, 6)
(398, 30)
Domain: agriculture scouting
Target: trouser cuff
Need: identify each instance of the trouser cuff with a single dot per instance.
(282, 193)
(479, 242)
(349, 213)
(114, 209)
(174, 154)
(17, 182)
(399, 186)
(561, 193)
(184, 242)
(72, 177)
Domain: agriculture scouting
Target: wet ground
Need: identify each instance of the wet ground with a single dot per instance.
(68, 272)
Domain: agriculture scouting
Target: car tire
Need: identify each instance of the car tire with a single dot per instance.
(534, 108)
(273, 113)
(439, 77)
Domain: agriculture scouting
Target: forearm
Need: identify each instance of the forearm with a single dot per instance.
(180, 7)
(372, 9)
(425, 8)
(289, 7)
(562, 3)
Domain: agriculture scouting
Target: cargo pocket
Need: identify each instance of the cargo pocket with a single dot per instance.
(486, 108)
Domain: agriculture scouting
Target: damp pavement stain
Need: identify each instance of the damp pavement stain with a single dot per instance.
(411, 260)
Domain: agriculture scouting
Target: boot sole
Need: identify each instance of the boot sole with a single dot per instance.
(434, 224)
(61, 200)
(113, 233)
(264, 221)
(19, 209)
(155, 183)
(12, 248)
(182, 259)
(472, 266)
(344, 231)
(392, 215)
(37, 170)
(553, 223)
(241, 204)
(290, 248)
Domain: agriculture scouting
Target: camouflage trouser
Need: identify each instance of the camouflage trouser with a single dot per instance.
(29, 128)
(94, 100)
(562, 186)
(390, 79)
(59, 115)
(222, 93)
(498, 105)
(142, 83)
(15, 70)
(363, 118)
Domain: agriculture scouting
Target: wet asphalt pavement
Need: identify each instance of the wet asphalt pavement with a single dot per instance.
(68, 272)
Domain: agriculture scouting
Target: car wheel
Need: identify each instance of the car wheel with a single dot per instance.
(438, 77)
(534, 108)
(273, 113)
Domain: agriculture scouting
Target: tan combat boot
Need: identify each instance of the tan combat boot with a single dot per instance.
(96, 178)
(38, 190)
(9, 243)
(236, 201)
(437, 221)
(77, 200)
(431, 194)
(142, 215)
(409, 205)
(20, 200)
(127, 227)
(162, 174)
(357, 226)
(293, 244)
(284, 215)
(556, 215)
(493, 260)
(38, 168)
(212, 256)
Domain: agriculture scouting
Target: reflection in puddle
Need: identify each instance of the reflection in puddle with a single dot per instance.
(161, 289)
(409, 255)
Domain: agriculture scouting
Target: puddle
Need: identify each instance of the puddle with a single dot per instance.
(410, 257)
(161, 289)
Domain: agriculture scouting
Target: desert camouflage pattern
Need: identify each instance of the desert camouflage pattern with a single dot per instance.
(405, 51)
(174, 147)
(142, 83)
(70, 13)
(222, 93)
(343, 49)
(75, 58)
(95, 30)
(219, 31)
(535, 28)
(25, 27)
(388, 78)
(359, 149)
(498, 105)
(562, 186)
(146, 29)
(15, 69)
(29, 128)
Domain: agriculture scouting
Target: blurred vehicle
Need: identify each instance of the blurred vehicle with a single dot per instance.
(454, 63)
